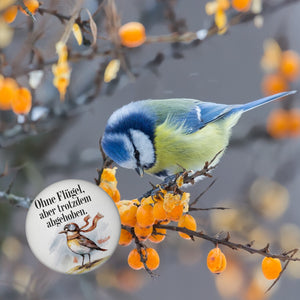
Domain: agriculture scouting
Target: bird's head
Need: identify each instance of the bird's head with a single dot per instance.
(129, 137)
(71, 227)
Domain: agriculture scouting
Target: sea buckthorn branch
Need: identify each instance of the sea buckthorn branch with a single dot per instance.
(62, 18)
(106, 163)
(234, 19)
(285, 256)
(170, 183)
(139, 247)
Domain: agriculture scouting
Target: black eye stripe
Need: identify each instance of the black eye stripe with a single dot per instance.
(136, 152)
(137, 155)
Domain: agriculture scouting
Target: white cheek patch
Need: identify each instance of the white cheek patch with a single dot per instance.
(131, 163)
(144, 145)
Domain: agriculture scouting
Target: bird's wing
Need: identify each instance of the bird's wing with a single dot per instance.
(188, 114)
(84, 241)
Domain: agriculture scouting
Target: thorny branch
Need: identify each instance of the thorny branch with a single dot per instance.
(234, 246)
(140, 247)
(170, 183)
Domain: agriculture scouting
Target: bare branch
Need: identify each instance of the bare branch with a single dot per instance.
(16, 200)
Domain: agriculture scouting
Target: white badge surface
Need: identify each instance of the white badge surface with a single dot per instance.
(73, 226)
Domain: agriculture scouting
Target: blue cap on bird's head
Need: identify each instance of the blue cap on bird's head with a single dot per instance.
(129, 138)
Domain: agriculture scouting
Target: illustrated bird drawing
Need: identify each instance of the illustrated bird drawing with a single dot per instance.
(79, 243)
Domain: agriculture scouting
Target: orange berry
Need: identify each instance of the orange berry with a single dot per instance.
(10, 14)
(278, 123)
(290, 65)
(157, 236)
(116, 195)
(175, 213)
(294, 122)
(132, 34)
(152, 259)
(22, 103)
(142, 232)
(144, 215)
(216, 260)
(109, 174)
(8, 93)
(274, 83)
(134, 260)
(112, 192)
(188, 222)
(241, 5)
(271, 267)
(32, 6)
(127, 211)
(159, 212)
(125, 238)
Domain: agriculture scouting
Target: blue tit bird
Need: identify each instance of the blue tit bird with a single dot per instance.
(161, 137)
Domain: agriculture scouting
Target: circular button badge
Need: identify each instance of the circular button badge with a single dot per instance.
(73, 226)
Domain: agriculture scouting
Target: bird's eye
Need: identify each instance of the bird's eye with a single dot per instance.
(71, 227)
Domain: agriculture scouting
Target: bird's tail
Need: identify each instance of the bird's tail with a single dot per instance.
(262, 101)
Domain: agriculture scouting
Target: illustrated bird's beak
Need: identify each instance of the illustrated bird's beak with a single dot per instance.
(140, 170)
(64, 231)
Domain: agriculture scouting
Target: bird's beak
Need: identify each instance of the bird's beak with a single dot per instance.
(64, 231)
(140, 170)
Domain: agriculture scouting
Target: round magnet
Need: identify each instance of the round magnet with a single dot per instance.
(73, 226)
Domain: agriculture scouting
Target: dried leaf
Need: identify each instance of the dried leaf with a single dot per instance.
(77, 33)
(111, 70)
(93, 28)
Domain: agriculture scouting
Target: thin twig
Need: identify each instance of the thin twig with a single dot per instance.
(209, 208)
(106, 162)
(16, 200)
(201, 194)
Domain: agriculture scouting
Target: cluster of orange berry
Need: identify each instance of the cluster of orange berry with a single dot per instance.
(281, 68)
(140, 218)
(10, 13)
(15, 98)
(284, 123)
